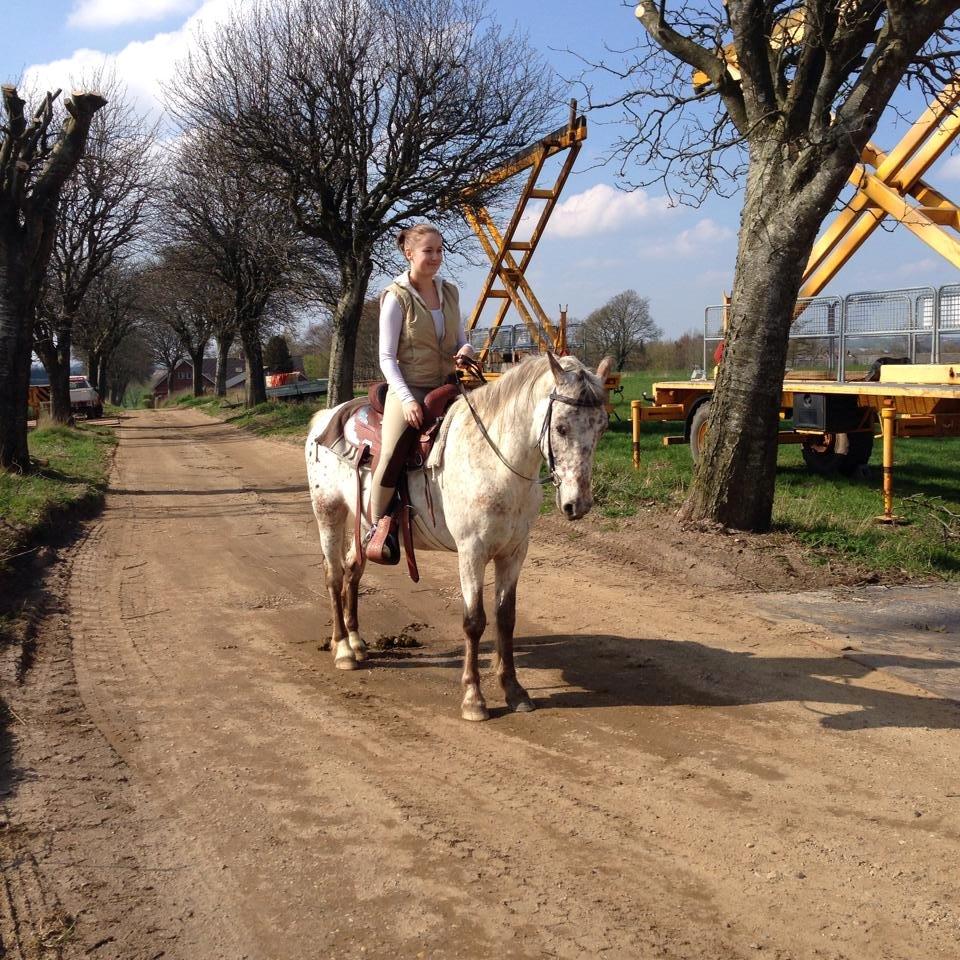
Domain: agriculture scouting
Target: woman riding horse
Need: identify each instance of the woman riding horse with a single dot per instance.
(421, 341)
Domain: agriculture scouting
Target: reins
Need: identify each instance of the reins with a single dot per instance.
(551, 476)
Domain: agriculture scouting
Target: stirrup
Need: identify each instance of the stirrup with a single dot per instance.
(381, 545)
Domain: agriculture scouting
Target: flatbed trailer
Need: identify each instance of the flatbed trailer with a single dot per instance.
(298, 390)
(835, 421)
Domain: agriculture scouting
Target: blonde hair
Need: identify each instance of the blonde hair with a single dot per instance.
(409, 234)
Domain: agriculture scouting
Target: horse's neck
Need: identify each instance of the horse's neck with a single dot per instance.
(515, 430)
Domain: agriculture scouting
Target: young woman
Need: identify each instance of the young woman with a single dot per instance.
(421, 341)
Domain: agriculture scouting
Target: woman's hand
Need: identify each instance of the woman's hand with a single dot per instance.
(413, 413)
(464, 353)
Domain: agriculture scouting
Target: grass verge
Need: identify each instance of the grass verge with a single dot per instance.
(71, 477)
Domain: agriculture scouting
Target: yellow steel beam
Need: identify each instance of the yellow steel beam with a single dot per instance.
(902, 170)
(913, 218)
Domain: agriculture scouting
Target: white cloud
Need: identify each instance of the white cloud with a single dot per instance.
(112, 13)
(599, 209)
(144, 66)
(699, 240)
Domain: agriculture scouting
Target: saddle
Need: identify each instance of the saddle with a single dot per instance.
(354, 435)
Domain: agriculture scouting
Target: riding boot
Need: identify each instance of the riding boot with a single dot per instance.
(381, 544)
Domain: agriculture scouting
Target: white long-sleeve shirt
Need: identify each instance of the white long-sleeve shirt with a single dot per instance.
(391, 324)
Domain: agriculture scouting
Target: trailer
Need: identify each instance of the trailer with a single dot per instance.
(299, 390)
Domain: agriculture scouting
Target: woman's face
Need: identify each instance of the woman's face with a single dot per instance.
(425, 254)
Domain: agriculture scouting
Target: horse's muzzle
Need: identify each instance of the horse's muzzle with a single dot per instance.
(576, 508)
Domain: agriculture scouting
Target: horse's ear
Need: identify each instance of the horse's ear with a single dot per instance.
(555, 366)
(603, 371)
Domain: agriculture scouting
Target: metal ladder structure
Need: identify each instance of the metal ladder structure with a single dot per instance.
(505, 281)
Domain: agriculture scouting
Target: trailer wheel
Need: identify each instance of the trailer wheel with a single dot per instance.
(699, 424)
(822, 457)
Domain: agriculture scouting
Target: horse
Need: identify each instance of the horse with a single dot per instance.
(479, 497)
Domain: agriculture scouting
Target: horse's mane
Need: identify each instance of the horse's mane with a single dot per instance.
(517, 387)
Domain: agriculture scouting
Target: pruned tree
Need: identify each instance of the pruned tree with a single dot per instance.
(34, 165)
(788, 95)
(619, 329)
(102, 215)
(241, 236)
(368, 114)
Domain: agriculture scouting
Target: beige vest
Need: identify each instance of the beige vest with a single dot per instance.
(424, 360)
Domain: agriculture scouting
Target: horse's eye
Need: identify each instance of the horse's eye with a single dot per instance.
(561, 430)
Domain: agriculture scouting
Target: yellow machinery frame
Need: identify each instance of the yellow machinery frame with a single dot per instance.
(500, 247)
(884, 183)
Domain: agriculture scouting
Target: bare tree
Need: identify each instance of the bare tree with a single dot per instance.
(34, 165)
(129, 363)
(619, 329)
(102, 213)
(791, 92)
(111, 309)
(369, 114)
(240, 237)
(191, 304)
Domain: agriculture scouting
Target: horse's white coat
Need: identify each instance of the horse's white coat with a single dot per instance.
(482, 509)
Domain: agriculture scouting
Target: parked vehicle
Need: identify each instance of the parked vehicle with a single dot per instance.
(84, 398)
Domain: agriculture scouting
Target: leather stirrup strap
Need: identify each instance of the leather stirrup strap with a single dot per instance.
(406, 530)
(358, 545)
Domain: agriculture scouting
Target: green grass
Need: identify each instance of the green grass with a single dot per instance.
(72, 473)
(286, 421)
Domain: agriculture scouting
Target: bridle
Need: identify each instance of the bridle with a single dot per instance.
(470, 364)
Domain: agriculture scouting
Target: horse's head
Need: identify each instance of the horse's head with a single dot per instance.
(574, 421)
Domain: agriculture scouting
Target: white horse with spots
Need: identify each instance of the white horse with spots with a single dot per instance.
(483, 499)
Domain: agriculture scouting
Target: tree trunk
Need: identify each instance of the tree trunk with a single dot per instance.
(346, 323)
(95, 365)
(16, 343)
(223, 352)
(56, 361)
(196, 358)
(735, 477)
(253, 351)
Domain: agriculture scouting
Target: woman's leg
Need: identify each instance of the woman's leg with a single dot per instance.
(394, 427)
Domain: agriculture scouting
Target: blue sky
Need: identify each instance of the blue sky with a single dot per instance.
(601, 241)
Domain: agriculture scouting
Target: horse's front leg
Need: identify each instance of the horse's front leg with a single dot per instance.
(507, 574)
(474, 621)
(353, 572)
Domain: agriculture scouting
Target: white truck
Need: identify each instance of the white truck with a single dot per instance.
(84, 398)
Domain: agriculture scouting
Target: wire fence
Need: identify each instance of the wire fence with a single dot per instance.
(835, 336)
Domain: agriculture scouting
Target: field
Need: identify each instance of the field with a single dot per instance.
(834, 517)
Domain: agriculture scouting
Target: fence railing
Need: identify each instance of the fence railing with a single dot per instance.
(837, 334)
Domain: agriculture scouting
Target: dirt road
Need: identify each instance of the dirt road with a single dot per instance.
(192, 778)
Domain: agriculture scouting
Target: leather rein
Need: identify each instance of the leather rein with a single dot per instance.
(470, 364)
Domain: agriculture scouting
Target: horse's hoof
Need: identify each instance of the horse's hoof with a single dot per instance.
(346, 663)
(475, 712)
(526, 705)
(357, 645)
